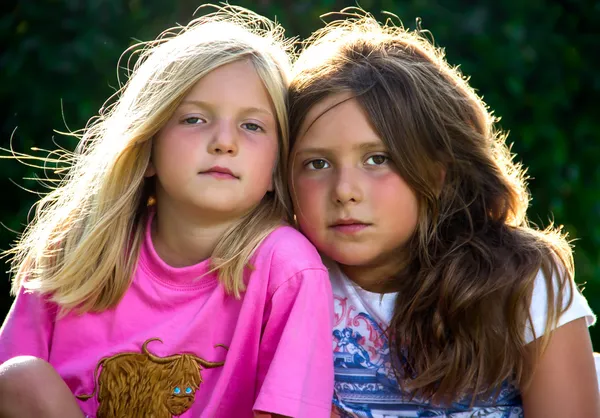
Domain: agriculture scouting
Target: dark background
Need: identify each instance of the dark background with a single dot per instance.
(534, 61)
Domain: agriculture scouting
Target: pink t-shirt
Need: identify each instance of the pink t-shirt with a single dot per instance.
(179, 345)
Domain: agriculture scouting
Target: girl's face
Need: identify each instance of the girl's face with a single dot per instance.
(349, 200)
(215, 156)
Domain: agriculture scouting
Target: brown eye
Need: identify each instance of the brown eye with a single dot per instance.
(377, 160)
(317, 164)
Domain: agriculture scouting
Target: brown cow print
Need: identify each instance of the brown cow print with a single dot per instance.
(136, 385)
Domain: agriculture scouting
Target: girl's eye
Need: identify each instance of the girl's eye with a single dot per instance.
(188, 390)
(318, 164)
(193, 120)
(253, 127)
(377, 160)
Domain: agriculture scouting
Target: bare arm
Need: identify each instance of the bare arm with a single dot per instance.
(564, 383)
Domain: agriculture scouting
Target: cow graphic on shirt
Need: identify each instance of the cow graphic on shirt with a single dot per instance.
(145, 385)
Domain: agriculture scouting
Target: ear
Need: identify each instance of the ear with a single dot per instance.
(271, 185)
(150, 170)
(441, 178)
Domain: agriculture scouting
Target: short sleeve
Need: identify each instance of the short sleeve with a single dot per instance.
(539, 307)
(295, 369)
(27, 328)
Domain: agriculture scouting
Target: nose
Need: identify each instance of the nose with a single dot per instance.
(224, 140)
(347, 187)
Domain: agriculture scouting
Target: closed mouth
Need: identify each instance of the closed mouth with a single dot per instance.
(349, 227)
(348, 223)
(220, 172)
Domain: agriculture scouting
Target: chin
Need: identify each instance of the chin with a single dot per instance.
(347, 258)
(222, 207)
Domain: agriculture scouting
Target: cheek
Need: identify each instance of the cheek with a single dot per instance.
(172, 152)
(308, 195)
(262, 158)
(396, 199)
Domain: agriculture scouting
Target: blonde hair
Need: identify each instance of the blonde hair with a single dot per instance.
(82, 246)
(464, 295)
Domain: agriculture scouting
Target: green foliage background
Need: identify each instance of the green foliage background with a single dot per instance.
(535, 63)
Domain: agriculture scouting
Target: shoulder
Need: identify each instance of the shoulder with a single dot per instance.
(569, 303)
(339, 282)
(285, 246)
(286, 253)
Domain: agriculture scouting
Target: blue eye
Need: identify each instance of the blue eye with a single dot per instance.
(176, 391)
(253, 127)
(193, 120)
(188, 390)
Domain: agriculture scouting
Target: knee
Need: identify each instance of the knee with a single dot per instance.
(26, 383)
(24, 371)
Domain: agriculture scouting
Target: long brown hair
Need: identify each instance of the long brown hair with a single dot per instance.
(464, 296)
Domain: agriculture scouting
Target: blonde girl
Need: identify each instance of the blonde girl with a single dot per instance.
(159, 278)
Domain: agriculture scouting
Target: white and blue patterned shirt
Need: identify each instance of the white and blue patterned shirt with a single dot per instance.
(365, 383)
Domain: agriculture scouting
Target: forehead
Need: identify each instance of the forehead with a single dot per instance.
(336, 122)
(320, 109)
(236, 83)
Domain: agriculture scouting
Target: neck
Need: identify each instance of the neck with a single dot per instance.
(182, 238)
(373, 278)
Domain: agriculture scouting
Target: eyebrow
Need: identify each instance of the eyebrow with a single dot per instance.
(250, 109)
(363, 146)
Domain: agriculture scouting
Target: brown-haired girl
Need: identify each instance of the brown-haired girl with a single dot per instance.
(448, 301)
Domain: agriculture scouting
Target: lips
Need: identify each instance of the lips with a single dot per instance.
(349, 226)
(220, 173)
